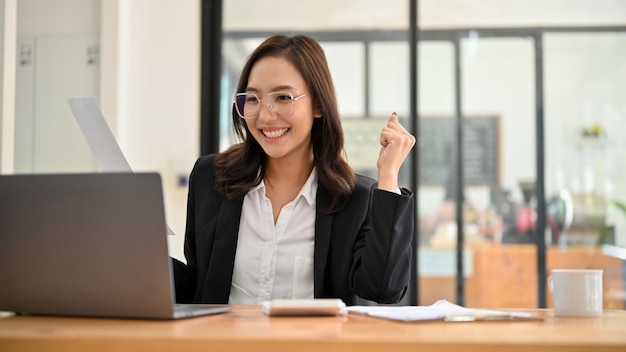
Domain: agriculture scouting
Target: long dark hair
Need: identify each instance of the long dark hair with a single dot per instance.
(242, 166)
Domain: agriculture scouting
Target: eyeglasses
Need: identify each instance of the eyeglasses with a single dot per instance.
(281, 104)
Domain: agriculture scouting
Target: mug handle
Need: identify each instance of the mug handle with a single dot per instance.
(550, 283)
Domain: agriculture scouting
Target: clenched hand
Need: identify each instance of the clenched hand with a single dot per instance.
(396, 143)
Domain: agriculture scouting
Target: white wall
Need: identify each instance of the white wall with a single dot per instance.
(393, 14)
(149, 81)
(525, 13)
(152, 90)
(58, 17)
(56, 35)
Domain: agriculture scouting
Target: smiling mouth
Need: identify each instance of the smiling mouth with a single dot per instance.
(275, 133)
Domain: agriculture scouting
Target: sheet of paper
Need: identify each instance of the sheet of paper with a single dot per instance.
(109, 156)
(440, 310)
(103, 145)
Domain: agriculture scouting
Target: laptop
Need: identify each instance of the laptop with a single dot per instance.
(91, 244)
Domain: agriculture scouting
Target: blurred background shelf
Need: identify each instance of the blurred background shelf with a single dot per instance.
(505, 276)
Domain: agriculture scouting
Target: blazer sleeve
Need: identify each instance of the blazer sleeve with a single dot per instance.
(383, 248)
(184, 281)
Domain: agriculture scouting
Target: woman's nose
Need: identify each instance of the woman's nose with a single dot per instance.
(265, 111)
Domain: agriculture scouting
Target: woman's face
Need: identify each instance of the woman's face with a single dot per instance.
(281, 136)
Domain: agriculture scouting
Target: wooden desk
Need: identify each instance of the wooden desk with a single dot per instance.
(247, 329)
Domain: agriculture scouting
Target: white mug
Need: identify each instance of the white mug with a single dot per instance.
(576, 292)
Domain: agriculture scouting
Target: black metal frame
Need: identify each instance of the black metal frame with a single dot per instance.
(457, 145)
(210, 72)
(540, 193)
(414, 121)
(210, 133)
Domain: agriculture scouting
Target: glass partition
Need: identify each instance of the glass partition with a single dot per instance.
(510, 76)
(585, 163)
(367, 90)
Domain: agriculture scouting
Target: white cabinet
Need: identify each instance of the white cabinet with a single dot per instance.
(51, 69)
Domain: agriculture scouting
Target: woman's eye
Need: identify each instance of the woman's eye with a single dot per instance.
(283, 97)
(252, 100)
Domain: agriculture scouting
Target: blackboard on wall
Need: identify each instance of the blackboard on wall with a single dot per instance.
(481, 150)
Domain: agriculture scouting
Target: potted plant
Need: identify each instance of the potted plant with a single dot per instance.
(620, 205)
(607, 233)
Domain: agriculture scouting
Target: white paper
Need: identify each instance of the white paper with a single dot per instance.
(104, 147)
(440, 310)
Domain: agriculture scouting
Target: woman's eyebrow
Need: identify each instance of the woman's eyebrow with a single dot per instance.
(283, 87)
(275, 89)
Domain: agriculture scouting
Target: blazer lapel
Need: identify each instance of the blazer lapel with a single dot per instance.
(323, 224)
(220, 271)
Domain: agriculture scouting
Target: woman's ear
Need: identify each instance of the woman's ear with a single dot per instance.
(317, 113)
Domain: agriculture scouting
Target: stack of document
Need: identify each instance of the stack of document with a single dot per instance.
(441, 310)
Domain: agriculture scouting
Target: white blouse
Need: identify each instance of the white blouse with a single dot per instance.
(275, 260)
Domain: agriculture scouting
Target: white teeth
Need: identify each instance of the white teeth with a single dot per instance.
(275, 133)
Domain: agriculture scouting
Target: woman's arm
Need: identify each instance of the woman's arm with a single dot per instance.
(383, 248)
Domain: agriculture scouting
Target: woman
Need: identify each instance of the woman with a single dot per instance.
(281, 214)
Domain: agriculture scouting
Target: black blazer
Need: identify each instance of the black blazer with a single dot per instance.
(363, 250)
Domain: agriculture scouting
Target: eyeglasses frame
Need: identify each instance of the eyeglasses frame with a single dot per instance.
(267, 105)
